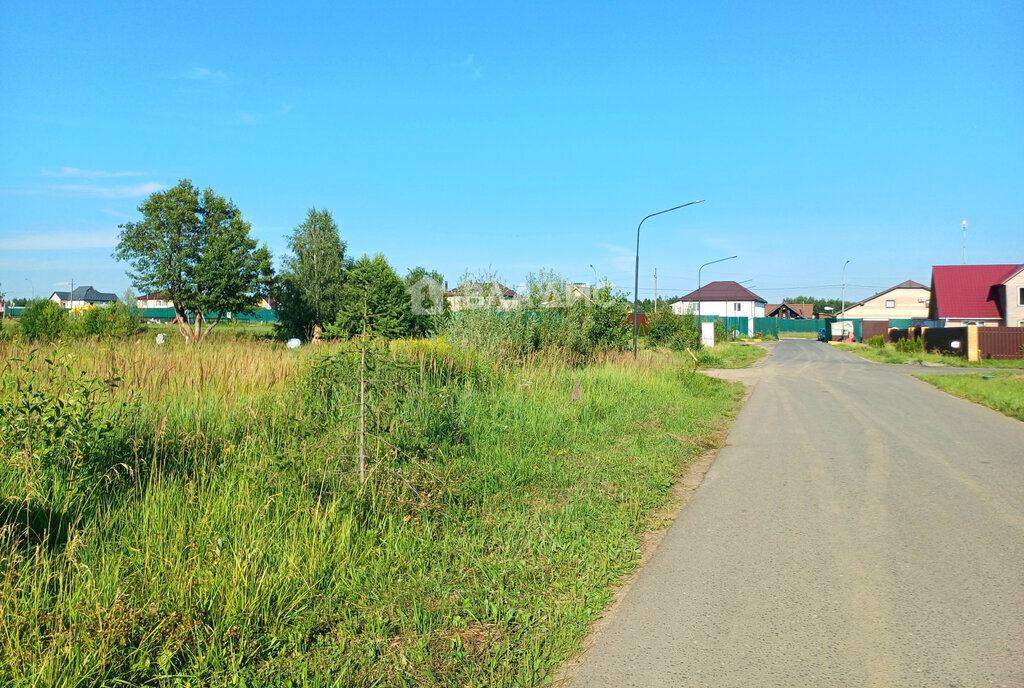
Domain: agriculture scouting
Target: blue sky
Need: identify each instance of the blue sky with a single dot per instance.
(510, 137)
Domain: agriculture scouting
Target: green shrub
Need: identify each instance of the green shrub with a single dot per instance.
(910, 346)
(117, 320)
(675, 331)
(877, 342)
(607, 321)
(56, 428)
(44, 320)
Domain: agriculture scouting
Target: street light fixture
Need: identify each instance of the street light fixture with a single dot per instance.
(33, 286)
(636, 272)
(699, 333)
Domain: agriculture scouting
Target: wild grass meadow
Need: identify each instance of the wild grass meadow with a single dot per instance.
(193, 515)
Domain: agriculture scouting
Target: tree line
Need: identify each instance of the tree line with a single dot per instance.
(195, 248)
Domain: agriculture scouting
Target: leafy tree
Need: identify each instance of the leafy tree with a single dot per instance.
(647, 305)
(195, 247)
(428, 300)
(608, 319)
(373, 288)
(309, 290)
(44, 319)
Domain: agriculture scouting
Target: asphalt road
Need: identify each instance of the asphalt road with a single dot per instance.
(862, 529)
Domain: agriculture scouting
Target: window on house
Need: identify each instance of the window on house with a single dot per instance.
(1020, 297)
(890, 303)
(737, 306)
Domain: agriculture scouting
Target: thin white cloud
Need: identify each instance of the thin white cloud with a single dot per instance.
(620, 258)
(59, 241)
(203, 74)
(89, 174)
(94, 191)
(470, 67)
(254, 117)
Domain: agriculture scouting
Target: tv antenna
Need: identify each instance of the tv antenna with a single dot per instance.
(964, 227)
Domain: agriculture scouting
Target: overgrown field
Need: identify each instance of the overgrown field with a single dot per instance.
(1003, 392)
(193, 516)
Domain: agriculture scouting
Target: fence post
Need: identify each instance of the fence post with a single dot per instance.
(973, 354)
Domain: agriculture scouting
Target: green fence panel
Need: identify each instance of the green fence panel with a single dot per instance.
(158, 314)
(260, 316)
(780, 326)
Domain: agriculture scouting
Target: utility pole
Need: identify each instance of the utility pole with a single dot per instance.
(655, 291)
(964, 227)
(844, 288)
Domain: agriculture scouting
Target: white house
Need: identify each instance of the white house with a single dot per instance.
(154, 300)
(724, 300)
(82, 297)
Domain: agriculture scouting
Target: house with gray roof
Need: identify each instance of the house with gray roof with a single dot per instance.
(82, 297)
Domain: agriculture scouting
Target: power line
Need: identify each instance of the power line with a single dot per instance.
(819, 286)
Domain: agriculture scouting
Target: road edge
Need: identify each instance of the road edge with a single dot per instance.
(688, 482)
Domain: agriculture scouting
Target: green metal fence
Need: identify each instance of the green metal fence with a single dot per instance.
(167, 314)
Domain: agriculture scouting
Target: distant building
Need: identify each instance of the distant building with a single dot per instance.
(578, 290)
(983, 295)
(906, 300)
(493, 295)
(82, 297)
(725, 300)
(789, 311)
(154, 300)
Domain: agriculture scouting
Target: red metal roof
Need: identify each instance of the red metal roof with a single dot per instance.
(722, 291)
(969, 291)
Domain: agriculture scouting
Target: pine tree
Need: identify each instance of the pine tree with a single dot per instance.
(388, 305)
(309, 291)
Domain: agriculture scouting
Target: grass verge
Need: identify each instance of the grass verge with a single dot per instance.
(730, 355)
(1002, 392)
(891, 355)
(229, 543)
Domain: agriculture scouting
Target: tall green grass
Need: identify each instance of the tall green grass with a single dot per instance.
(237, 546)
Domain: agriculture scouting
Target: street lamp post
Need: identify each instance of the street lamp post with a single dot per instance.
(699, 326)
(33, 286)
(636, 272)
(843, 311)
